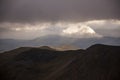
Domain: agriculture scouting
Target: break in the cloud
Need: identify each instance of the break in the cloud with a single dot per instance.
(58, 10)
(80, 31)
(105, 27)
(87, 29)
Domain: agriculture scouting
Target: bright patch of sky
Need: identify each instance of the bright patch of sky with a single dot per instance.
(87, 29)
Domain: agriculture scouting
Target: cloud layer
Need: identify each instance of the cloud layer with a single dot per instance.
(87, 29)
(58, 10)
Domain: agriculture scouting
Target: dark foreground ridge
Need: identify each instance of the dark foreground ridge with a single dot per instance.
(98, 62)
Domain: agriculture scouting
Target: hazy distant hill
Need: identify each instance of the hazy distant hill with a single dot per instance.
(9, 44)
(98, 62)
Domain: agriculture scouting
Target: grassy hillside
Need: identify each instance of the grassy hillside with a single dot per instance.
(98, 62)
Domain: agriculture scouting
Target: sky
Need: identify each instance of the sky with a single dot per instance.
(29, 19)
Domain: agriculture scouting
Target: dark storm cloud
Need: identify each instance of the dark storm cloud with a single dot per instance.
(58, 10)
(2, 29)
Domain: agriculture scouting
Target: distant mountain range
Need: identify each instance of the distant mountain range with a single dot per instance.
(98, 62)
(57, 41)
